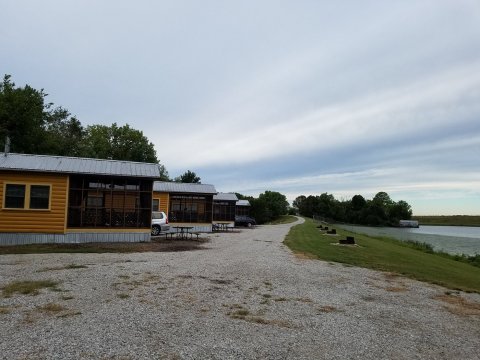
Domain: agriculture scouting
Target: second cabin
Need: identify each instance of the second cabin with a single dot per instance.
(224, 206)
(185, 204)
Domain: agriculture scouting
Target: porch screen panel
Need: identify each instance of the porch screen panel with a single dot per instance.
(190, 209)
(104, 202)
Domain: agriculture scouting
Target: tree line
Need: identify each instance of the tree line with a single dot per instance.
(36, 126)
(381, 210)
(269, 206)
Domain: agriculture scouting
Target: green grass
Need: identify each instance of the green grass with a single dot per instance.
(284, 219)
(385, 254)
(454, 220)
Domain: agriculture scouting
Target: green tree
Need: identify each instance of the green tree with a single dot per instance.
(401, 210)
(358, 202)
(64, 134)
(308, 206)
(118, 143)
(188, 177)
(36, 127)
(383, 200)
(22, 117)
(297, 203)
(260, 211)
(277, 203)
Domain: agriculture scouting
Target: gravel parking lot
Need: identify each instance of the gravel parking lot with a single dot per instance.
(243, 295)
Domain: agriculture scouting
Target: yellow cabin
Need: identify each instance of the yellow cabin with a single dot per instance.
(56, 199)
(185, 204)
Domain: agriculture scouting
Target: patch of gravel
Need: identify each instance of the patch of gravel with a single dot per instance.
(244, 296)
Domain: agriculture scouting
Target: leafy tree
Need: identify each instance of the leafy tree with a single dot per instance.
(401, 210)
(358, 202)
(118, 143)
(260, 211)
(267, 207)
(64, 134)
(36, 127)
(22, 116)
(383, 199)
(308, 206)
(276, 203)
(188, 177)
(297, 203)
(381, 210)
(243, 197)
(163, 173)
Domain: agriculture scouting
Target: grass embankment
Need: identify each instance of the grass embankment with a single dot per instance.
(384, 254)
(452, 220)
(284, 219)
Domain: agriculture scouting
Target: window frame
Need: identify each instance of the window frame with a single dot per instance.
(157, 205)
(27, 198)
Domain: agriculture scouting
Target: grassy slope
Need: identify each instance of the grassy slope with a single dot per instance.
(384, 254)
(284, 219)
(456, 220)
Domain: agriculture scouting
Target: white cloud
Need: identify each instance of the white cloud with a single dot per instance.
(241, 135)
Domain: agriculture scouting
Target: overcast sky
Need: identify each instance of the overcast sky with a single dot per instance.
(300, 97)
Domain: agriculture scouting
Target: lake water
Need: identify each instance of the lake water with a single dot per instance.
(451, 239)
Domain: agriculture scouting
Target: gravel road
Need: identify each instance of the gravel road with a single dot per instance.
(244, 295)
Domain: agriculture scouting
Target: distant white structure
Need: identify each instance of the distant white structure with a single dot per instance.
(408, 223)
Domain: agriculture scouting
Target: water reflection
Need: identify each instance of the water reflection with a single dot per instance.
(451, 239)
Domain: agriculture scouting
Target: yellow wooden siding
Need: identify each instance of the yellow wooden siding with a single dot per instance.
(163, 199)
(38, 221)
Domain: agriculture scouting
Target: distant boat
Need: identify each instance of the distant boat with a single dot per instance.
(408, 223)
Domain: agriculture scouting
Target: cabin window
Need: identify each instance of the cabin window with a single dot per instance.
(27, 196)
(155, 204)
(15, 196)
(39, 196)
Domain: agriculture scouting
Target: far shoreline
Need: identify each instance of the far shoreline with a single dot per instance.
(448, 220)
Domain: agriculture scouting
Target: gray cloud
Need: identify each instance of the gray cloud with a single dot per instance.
(302, 97)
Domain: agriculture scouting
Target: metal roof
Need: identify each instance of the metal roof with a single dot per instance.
(174, 187)
(73, 165)
(243, 203)
(225, 197)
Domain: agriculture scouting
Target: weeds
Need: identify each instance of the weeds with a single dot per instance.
(263, 321)
(70, 313)
(28, 287)
(75, 266)
(239, 314)
(52, 307)
(458, 305)
(422, 246)
(327, 309)
(66, 267)
(244, 314)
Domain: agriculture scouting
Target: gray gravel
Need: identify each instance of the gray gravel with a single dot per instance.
(243, 296)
